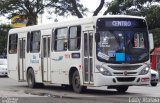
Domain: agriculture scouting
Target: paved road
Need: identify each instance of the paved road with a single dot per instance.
(18, 91)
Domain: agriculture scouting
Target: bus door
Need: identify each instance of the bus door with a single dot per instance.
(88, 57)
(46, 58)
(21, 68)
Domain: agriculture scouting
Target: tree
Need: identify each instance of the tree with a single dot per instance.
(156, 36)
(31, 8)
(153, 17)
(69, 7)
(127, 6)
(119, 7)
(75, 8)
(27, 8)
(3, 38)
(99, 8)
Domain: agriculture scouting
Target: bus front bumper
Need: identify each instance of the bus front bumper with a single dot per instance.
(101, 80)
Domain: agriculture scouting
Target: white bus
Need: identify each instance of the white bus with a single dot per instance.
(110, 51)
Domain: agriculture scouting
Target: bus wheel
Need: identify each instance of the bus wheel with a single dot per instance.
(122, 89)
(76, 83)
(154, 84)
(31, 79)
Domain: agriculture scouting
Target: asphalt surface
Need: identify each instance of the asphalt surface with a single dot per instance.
(12, 91)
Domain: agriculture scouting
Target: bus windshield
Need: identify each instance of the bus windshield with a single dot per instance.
(122, 44)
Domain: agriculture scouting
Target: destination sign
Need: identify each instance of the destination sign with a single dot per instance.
(104, 23)
(121, 23)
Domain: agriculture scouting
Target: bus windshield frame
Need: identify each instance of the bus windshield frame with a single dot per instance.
(122, 40)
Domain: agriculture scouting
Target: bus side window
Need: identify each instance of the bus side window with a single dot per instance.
(60, 41)
(74, 38)
(53, 39)
(35, 41)
(13, 38)
(28, 41)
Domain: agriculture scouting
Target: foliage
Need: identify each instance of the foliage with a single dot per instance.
(69, 7)
(117, 7)
(75, 8)
(3, 38)
(156, 36)
(31, 8)
(146, 8)
(153, 17)
(128, 6)
(27, 8)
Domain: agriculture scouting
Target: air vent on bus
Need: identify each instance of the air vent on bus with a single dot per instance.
(125, 79)
(122, 73)
(129, 67)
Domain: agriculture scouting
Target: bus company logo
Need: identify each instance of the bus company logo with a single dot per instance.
(106, 40)
(58, 59)
(67, 56)
(33, 57)
(34, 60)
(125, 73)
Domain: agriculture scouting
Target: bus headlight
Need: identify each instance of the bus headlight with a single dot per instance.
(103, 70)
(144, 71)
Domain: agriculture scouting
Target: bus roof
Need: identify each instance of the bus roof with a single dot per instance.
(80, 21)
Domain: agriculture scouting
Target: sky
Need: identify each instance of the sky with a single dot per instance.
(90, 4)
(4, 20)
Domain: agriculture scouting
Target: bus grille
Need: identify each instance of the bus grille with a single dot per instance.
(125, 79)
(122, 73)
(119, 67)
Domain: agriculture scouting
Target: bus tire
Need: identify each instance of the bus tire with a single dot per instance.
(122, 89)
(153, 84)
(76, 85)
(31, 79)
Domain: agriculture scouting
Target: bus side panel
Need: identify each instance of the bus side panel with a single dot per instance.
(33, 61)
(61, 63)
(75, 62)
(57, 66)
(33, 55)
(13, 66)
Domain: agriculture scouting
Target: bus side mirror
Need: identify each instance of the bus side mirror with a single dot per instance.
(151, 41)
(97, 37)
